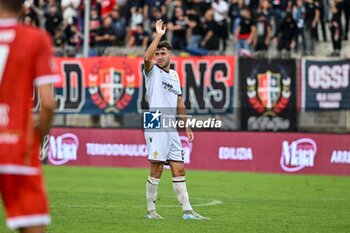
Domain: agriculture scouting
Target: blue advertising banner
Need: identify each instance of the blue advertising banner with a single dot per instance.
(325, 85)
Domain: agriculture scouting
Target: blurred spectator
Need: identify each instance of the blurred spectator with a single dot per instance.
(139, 38)
(298, 12)
(322, 19)
(286, 33)
(198, 5)
(70, 10)
(53, 19)
(346, 9)
(95, 23)
(336, 31)
(265, 9)
(245, 32)
(278, 12)
(39, 7)
(107, 7)
(210, 39)
(29, 11)
(28, 20)
(220, 8)
(126, 11)
(119, 26)
(172, 7)
(233, 14)
(157, 14)
(312, 15)
(136, 17)
(50, 3)
(252, 5)
(178, 25)
(105, 35)
(150, 4)
(264, 33)
(206, 5)
(196, 29)
(75, 37)
(59, 40)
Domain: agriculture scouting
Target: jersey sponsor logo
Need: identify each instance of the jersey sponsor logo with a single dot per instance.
(235, 153)
(4, 115)
(186, 149)
(111, 89)
(63, 149)
(7, 36)
(340, 157)
(151, 120)
(298, 154)
(9, 138)
(169, 87)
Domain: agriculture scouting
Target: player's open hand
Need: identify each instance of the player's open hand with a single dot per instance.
(190, 134)
(159, 27)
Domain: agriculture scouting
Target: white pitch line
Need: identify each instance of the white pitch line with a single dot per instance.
(210, 203)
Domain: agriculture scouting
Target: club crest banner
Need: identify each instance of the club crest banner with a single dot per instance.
(268, 94)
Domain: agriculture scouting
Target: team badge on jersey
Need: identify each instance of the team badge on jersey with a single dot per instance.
(155, 154)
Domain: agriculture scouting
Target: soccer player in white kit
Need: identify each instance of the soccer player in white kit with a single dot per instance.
(164, 91)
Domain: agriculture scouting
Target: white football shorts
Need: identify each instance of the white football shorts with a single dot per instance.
(164, 146)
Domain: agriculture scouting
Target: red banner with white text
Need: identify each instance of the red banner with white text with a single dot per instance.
(293, 153)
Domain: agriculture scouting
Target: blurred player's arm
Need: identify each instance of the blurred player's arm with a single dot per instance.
(45, 74)
(160, 31)
(48, 104)
(181, 109)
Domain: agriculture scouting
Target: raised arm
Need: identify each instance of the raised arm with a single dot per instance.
(160, 31)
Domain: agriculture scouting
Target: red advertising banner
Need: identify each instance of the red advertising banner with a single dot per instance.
(294, 153)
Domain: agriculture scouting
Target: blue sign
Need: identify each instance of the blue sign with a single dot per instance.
(151, 120)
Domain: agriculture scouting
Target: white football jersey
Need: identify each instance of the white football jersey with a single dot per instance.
(162, 88)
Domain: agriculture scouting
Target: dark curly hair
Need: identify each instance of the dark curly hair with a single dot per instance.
(165, 44)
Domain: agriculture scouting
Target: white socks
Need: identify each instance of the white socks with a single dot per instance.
(151, 192)
(179, 184)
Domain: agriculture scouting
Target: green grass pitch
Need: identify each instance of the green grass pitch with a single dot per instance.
(109, 200)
